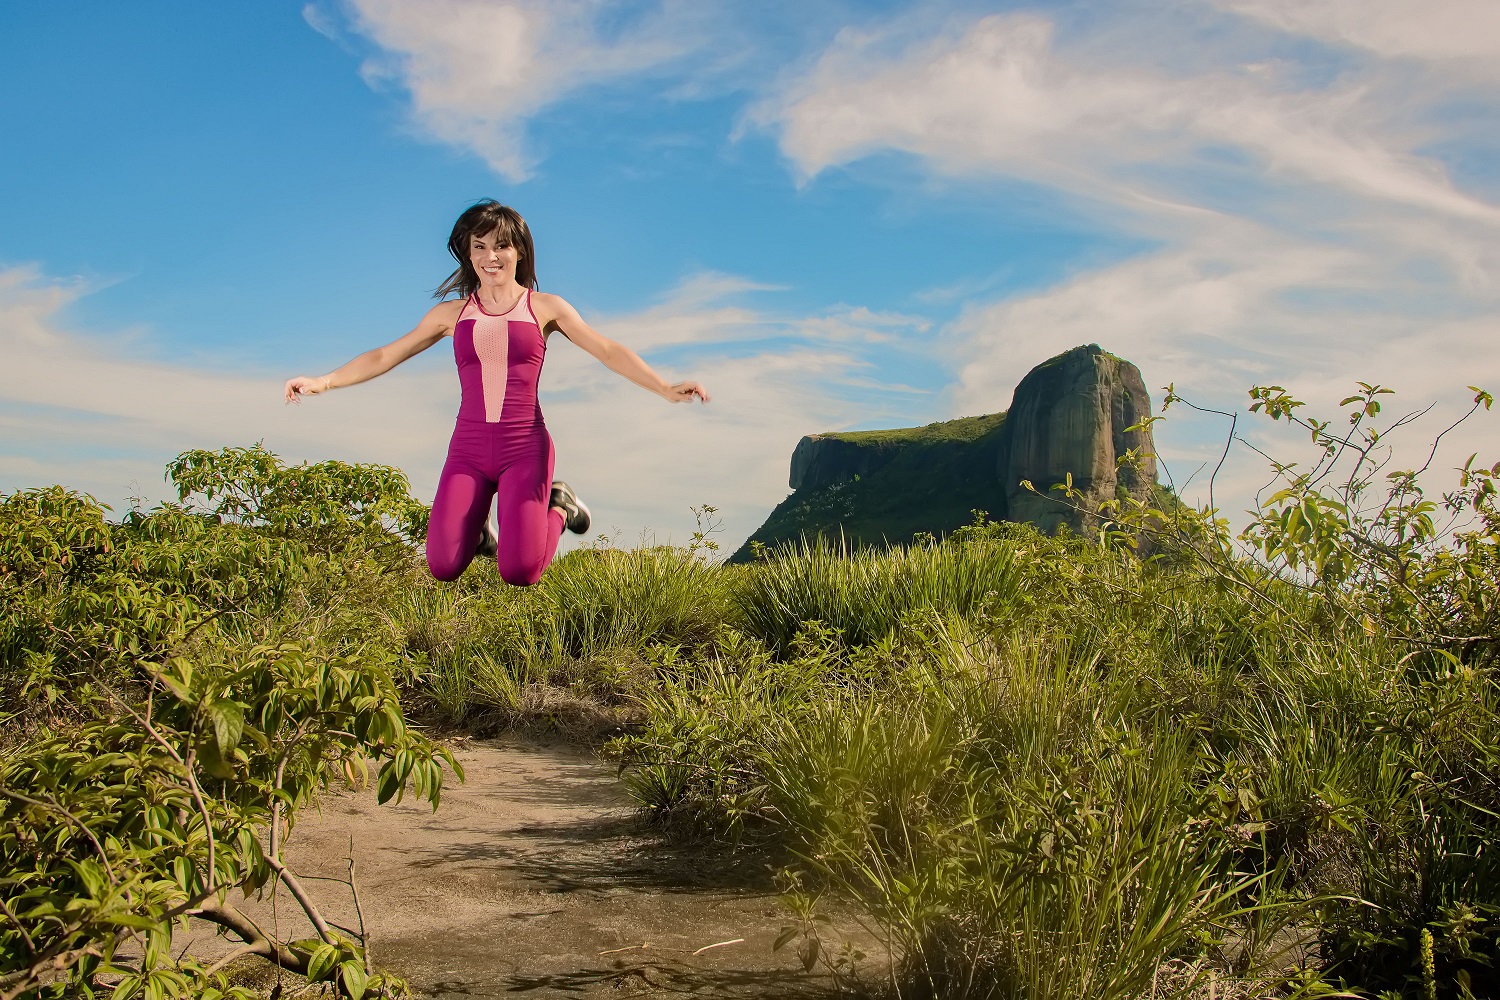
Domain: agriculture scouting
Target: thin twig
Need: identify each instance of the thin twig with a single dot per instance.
(30, 944)
(359, 912)
(303, 899)
(1234, 421)
(719, 944)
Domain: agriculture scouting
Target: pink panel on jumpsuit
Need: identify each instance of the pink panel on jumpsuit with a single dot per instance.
(492, 346)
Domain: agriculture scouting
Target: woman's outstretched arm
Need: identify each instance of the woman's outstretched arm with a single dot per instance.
(558, 313)
(437, 324)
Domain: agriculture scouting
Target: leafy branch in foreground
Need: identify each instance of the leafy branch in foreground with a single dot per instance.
(116, 830)
(1368, 540)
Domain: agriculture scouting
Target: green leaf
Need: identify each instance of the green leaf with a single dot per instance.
(387, 784)
(809, 953)
(211, 761)
(352, 972)
(322, 962)
(126, 988)
(229, 724)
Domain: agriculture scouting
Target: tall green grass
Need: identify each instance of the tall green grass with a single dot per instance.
(1087, 777)
(865, 593)
(598, 601)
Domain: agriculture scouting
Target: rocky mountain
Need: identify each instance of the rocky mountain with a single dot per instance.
(1068, 415)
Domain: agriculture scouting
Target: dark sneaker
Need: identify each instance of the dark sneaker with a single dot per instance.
(489, 545)
(575, 512)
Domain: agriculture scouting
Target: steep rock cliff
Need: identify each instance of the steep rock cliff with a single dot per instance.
(883, 487)
(824, 459)
(1069, 415)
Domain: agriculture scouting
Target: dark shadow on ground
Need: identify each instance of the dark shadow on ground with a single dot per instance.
(659, 978)
(609, 853)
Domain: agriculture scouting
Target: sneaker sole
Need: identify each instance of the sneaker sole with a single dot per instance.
(577, 516)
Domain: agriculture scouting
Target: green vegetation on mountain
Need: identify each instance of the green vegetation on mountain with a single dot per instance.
(964, 430)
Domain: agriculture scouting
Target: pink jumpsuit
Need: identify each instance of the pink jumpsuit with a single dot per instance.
(500, 446)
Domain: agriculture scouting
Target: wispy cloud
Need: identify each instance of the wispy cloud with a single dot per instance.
(1461, 35)
(478, 70)
(1002, 96)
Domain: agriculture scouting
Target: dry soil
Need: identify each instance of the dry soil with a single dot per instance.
(537, 877)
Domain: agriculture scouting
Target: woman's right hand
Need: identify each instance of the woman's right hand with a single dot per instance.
(304, 386)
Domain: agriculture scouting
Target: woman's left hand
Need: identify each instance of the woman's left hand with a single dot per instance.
(683, 392)
(301, 386)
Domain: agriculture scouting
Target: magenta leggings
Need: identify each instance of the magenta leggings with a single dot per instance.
(486, 460)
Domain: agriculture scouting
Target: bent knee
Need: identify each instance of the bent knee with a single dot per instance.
(446, 569)
(520, 576)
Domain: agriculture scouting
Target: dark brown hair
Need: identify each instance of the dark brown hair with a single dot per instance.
(483, 219)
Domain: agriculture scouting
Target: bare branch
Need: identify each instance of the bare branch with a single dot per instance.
(256, 940)
(364, 939)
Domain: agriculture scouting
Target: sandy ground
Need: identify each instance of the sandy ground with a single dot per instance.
(537, 878)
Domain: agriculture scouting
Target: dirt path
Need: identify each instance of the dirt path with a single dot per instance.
(536, 878)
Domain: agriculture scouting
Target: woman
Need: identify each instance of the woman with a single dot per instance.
(499, 326)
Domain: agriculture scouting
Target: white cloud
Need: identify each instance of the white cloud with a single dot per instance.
(76, 410)
(477, 70)
(94, 417)
(1003, 97)
(1463, 31)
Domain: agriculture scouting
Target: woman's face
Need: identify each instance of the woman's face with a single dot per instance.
(494, 260)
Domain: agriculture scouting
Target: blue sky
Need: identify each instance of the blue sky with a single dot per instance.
(858, 215)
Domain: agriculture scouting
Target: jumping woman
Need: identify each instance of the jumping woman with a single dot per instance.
(499, 325)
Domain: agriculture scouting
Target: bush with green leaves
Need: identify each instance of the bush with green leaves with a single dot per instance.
(186, 680)
(83, 598)
(324, 504)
